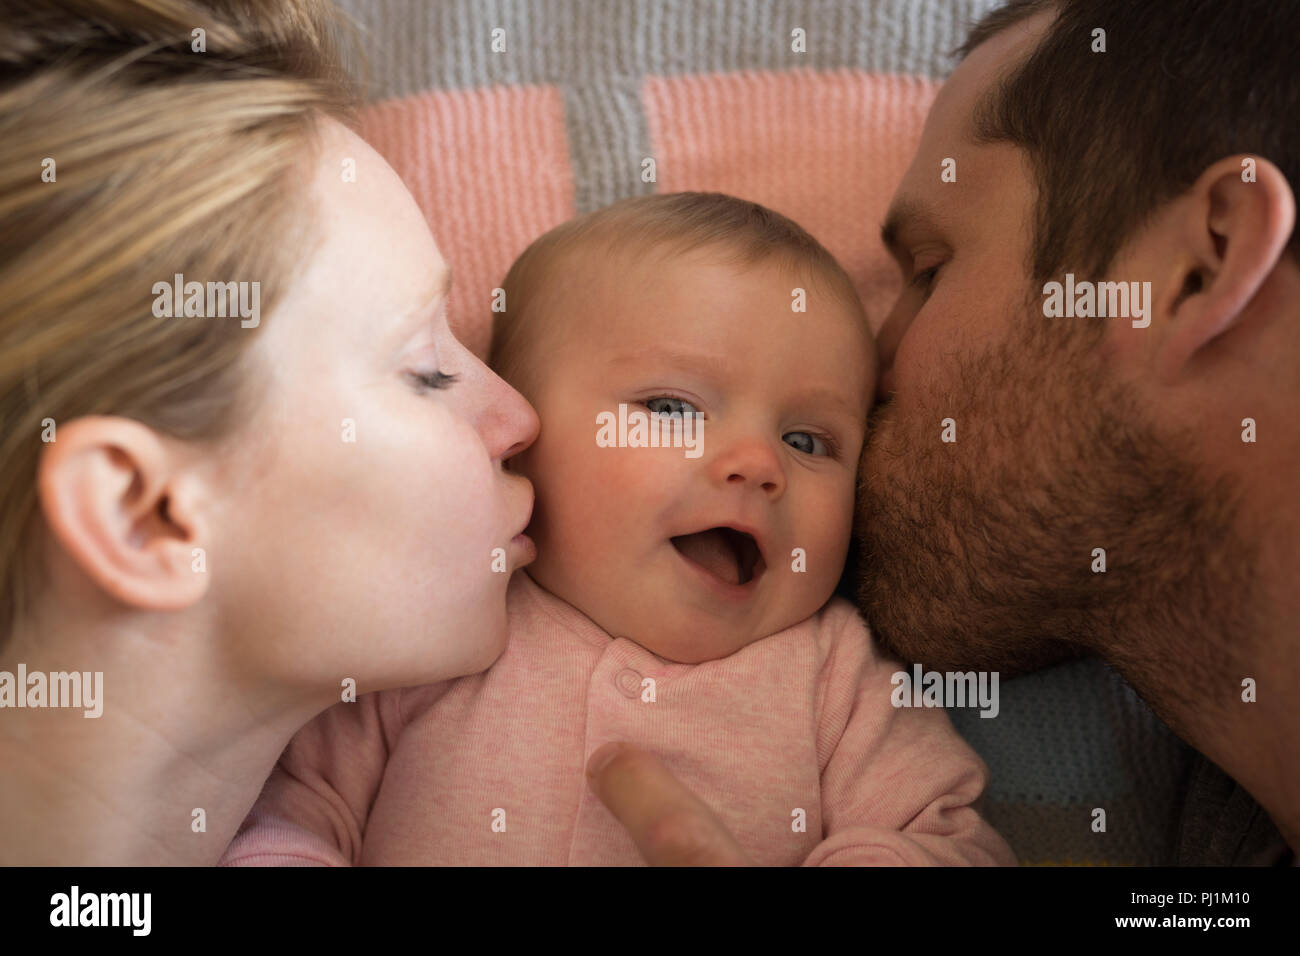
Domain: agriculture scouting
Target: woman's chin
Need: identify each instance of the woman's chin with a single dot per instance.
(484, 643)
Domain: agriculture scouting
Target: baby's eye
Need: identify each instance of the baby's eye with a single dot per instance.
(664, 405)
(806, 442)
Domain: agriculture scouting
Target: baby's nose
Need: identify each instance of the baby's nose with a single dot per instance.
(751, 460)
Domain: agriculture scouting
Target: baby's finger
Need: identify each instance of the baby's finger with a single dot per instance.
(669, 824)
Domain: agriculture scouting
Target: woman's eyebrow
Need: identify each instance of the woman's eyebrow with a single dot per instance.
(440, 292)
(420, 314)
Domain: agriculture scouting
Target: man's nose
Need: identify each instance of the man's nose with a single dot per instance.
(887, 342)
(752, 460)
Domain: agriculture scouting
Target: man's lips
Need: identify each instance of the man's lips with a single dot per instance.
(886, 385)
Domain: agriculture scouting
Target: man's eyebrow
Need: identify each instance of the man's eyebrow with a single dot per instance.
(903, 215)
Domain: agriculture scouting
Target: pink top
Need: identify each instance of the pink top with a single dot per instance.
(792, 741)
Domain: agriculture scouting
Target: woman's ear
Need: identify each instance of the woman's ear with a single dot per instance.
(1241, 215)
(117, 501)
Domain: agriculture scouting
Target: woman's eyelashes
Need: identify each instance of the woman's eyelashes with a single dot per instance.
(432, 380)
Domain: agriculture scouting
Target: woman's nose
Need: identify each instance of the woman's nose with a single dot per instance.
(505, 421)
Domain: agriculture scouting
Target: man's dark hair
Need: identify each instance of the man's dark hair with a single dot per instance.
(1113, 136)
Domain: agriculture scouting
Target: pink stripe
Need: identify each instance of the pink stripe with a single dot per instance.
(825, 149)
(490, 168)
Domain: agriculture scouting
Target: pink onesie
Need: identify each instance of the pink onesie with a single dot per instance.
(792, 741)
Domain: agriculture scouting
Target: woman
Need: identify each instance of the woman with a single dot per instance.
(247, 470)
(233, 518)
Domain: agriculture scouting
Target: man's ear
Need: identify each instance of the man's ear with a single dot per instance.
(117, 502)
(1241, 214)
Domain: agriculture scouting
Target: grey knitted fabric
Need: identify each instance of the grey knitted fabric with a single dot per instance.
(598, 52)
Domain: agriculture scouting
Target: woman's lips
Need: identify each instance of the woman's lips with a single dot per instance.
(523, 550)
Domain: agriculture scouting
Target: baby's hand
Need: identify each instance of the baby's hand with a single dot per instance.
(669, 824)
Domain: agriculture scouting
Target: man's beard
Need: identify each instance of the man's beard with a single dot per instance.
(978, 554)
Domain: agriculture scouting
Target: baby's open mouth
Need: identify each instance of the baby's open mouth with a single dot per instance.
(728, 554)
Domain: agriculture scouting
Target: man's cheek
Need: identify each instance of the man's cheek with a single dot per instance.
(922, 349)
(929, 366)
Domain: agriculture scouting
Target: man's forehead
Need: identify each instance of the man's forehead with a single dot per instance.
(977, 74)
(949, 126)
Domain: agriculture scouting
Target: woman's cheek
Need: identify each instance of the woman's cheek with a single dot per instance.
(465, 491)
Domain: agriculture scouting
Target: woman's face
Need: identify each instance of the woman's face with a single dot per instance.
(365, 506)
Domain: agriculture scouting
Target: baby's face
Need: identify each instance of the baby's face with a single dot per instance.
(623, 533)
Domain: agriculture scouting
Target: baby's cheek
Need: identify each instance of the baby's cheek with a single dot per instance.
(826, 533)
(646, 473)
(580, 496)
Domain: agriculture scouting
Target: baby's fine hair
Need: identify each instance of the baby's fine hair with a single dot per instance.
(742, 232)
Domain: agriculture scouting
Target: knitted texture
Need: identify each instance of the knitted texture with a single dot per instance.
(792, 741)
(499, 147)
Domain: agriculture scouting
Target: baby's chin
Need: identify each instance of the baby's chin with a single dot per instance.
(686, 631)
(691, 648)
(688, 628)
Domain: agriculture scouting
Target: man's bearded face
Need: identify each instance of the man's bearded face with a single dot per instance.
(979, 553)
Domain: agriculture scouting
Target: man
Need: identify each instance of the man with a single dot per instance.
(1092, 141)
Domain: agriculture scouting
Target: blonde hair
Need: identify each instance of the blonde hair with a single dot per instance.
(165, 160)
(740, 231)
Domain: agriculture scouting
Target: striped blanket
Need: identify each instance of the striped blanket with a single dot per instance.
(507, 117)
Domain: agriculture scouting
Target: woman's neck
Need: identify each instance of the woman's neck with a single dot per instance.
(163, 776)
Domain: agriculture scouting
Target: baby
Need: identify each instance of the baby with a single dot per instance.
(702, 369)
